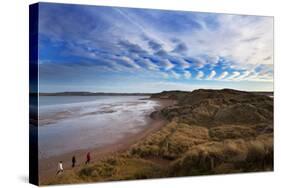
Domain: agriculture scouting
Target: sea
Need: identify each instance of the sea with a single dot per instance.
(70, 123)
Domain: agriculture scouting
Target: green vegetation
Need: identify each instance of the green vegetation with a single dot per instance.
(210, 132)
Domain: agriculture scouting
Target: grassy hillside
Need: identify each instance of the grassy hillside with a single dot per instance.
(209, 132)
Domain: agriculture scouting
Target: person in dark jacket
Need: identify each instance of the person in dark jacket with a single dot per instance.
(73, 161)
(88, 158)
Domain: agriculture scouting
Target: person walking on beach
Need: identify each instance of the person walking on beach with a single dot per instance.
(88, 158)
(73, 161)
(60, 168)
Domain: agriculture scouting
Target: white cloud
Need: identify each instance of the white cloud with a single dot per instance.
(183, 63)
(248, 76)
(167, 64)
(234, 75)
(223, 75)
(198, 62)
(200, 75)
(165, 75)
(213, 59)
(149, 65)
(244, 75)
(187, 74)
(175, 75)
(129, 62)
(245, 41)
(212, 75)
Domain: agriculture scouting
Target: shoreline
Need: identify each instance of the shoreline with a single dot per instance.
(48, 166)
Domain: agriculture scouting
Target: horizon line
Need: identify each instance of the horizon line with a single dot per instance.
(141, 92)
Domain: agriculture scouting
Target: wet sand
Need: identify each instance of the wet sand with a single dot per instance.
(48, 166)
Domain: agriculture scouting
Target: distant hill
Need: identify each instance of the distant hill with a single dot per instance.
(91, 94)
(176, 94)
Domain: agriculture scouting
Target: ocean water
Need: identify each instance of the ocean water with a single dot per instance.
(70, 123)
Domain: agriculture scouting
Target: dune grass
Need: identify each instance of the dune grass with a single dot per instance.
(171, 141)
(110, 169)
(227, 156)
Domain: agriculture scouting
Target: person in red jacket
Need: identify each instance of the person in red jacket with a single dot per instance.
(88, 158)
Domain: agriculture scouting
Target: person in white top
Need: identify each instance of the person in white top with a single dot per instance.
(60, 168)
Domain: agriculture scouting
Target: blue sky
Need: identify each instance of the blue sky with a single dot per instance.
(107, 49)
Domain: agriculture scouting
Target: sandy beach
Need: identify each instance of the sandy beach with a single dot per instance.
(48, 166)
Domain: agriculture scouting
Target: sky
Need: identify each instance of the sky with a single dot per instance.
(110, 49)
